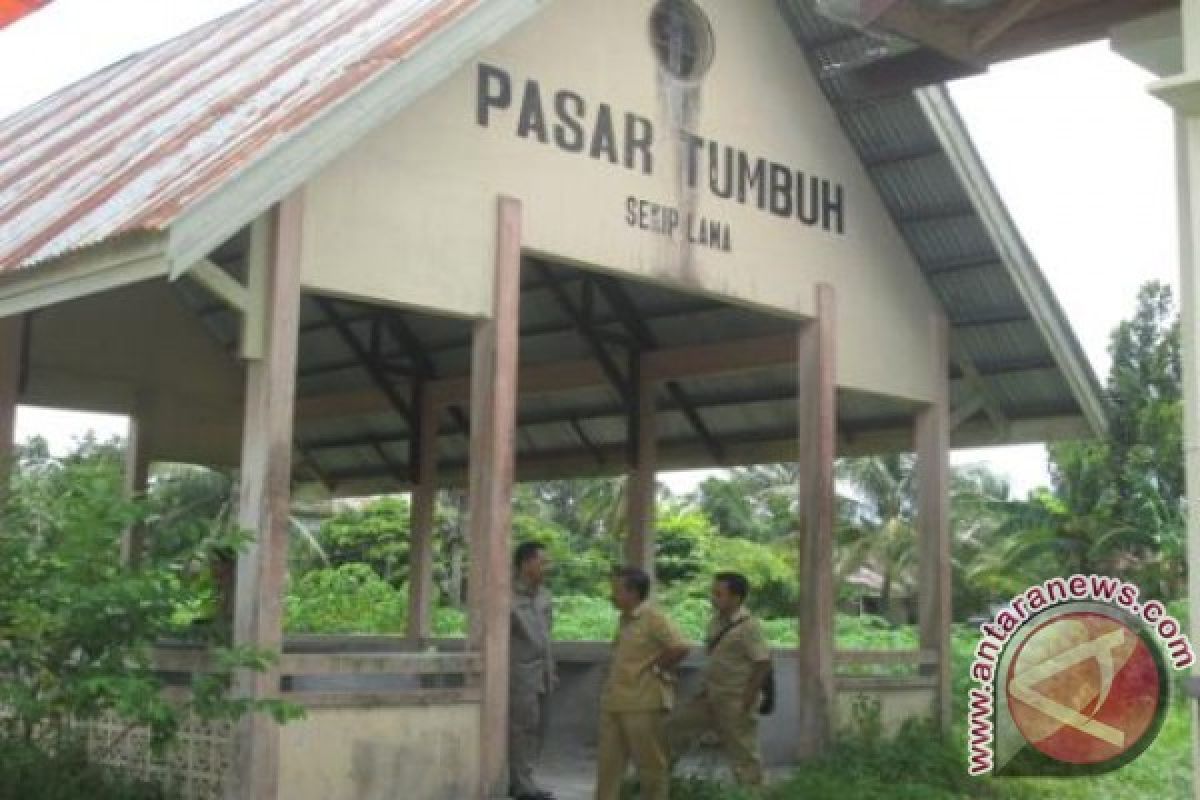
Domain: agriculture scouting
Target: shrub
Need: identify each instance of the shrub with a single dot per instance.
(352, 598)
(28, 772)
(77, 628)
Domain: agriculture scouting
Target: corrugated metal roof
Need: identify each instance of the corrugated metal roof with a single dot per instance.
(1017, 338)
(132, 146)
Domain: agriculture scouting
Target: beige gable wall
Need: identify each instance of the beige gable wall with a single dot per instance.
(407, 216)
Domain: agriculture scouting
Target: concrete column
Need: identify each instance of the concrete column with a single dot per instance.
(817, 382)
(1182, 92)
(490, 482)
(933, 519)
(265, 492)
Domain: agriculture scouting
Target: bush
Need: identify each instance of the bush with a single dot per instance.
(28, 772)
(352, 598)
(77, 628)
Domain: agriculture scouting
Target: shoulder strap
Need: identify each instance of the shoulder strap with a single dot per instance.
(716, 640)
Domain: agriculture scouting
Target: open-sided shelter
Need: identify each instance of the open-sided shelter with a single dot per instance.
(403, 244)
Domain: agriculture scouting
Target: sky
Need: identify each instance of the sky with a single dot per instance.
(1081, 154)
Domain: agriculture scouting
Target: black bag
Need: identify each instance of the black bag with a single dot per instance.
(766, 704)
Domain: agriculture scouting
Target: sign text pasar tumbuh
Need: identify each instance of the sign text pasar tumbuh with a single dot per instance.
(566, 120)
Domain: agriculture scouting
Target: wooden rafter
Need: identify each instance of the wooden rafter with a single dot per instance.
(377, 375)
(595, 344)
(975, 380)
(627, 311)
(417, 351)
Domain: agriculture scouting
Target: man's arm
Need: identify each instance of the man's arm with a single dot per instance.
(675, 647)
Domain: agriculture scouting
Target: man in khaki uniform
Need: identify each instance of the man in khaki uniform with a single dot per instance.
(532, 674)
(638, 693)
(737, 666)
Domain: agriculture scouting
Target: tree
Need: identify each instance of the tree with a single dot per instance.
(376, 534)
(877, 521)
(758, 503)
(1117, 504)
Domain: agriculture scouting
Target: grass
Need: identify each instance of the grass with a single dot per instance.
(917, 764)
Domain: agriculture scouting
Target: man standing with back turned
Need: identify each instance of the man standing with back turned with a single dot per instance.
(532, 674)
(638, 693)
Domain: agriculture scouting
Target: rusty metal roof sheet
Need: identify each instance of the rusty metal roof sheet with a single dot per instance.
(129, 148)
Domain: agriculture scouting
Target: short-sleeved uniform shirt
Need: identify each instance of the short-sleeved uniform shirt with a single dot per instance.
(642, 636)
(729, 664)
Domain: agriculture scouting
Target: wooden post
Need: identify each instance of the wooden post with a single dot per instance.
(137, 475)
(490, 482)
(12, 333)
(424, 506)
(642, 482)
(933, 519)
(818, 437)
(265, 495)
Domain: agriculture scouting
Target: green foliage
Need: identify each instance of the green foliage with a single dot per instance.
(450, 622)
(351, 598)
(577, 566)
(877, 521)
(683, 544)
(26, 770)
(376, 534)
(584, 618)
(757, 503)
(770, 568)
(77, 628)
(1117, 504)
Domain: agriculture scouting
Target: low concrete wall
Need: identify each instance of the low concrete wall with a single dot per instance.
(583, 666)
(429, 753)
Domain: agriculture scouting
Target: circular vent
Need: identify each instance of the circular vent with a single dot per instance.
(682, 38)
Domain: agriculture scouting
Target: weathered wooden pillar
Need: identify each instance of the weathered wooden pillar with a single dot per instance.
(12, 332)
(137, 476)
(642, 482)
(424, 506)
(490, 483)
(265, 491)
(933, 520)
(816, 380)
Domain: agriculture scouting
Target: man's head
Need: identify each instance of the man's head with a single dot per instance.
(729, 591)
(630, 588)
(530, 562)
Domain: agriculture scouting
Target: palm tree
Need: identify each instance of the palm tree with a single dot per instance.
(877, 521)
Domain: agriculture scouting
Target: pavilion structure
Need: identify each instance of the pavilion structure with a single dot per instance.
(404, 245)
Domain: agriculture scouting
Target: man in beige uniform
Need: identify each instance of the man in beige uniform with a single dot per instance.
(737, 667)
(638, 693)
(531, 673)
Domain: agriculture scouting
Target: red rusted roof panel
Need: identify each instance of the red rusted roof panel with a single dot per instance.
(13, 10)
(133, 146)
